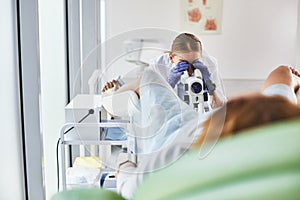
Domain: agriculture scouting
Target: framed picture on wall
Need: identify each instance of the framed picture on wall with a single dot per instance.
(201, 16)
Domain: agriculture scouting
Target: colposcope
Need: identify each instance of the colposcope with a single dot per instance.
(195, 93)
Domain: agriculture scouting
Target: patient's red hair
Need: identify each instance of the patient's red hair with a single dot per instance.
(246, 112)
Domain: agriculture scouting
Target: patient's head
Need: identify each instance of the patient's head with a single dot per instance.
(246, 112)
(186, 47)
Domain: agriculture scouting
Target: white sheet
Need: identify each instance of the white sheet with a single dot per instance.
(162, 118)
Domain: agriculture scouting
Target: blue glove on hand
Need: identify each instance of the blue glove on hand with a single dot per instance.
(176, 73)
(203, 69)
(205, 76)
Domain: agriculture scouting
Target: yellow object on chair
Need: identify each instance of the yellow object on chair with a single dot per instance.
(89, 161)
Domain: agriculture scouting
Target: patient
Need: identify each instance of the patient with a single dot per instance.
(245, 112)
(277, 102)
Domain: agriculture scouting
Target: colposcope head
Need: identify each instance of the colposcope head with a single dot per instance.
(196, 87)
(194, 90)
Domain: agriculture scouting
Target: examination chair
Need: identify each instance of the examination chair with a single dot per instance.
(261, 163)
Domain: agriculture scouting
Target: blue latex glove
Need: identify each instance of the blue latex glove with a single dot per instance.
(176, 73)
(206, 76)
(203, 69)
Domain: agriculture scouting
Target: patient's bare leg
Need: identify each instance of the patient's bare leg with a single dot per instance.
(283, 75)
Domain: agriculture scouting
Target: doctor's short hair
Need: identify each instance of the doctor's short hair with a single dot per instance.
(186, 42)
(245, 112)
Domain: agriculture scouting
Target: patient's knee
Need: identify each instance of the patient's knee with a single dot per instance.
(283, 70)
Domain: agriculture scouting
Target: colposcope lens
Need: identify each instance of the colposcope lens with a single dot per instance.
(196, 87)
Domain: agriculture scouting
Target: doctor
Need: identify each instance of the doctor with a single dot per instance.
(186, 55)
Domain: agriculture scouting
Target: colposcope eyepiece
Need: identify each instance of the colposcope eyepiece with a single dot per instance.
(191, 69)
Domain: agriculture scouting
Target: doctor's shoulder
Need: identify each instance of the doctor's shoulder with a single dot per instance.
(162, 64)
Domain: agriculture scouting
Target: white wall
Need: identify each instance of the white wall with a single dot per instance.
(53, 83)
(131, 14)
(11, 182)
(298, 41)
(256, 35)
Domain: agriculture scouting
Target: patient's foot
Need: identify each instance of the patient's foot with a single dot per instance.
(296, 80)
(295, 71)
(110, 85)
